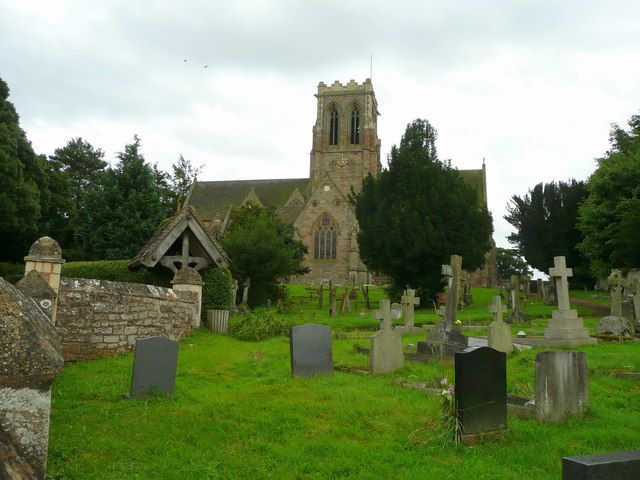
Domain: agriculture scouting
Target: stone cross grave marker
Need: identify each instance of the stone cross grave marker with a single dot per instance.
(565, 327)
(481, 390)
(616, 284)
(409, 301)
(245, 291)
(386, 345)
(499, 332)
(515, 292)
(454, 271)
(561, 274)
(154, 366)
(310, 350)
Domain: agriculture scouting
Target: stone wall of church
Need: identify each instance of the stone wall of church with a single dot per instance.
(99, 318)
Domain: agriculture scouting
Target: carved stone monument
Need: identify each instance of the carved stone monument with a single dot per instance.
(565, 327)
(386, 346)
(499, 332)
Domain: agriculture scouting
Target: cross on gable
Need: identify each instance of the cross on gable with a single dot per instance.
(409, 297)
(497, 308)
(384, 314)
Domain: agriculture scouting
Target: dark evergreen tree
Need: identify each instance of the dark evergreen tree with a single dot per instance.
(121, 208)
(511, 263)
(610, 216)
(545, 220)
(418, 213)
(184, 174)
(261, 247)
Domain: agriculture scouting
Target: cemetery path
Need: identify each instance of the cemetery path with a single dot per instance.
(597, 309)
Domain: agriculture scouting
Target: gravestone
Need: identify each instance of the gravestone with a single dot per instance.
(616, 324)
(409, 301)
(320, 296)
(234, 294)
(155, 362)
(446, 338)
(332, 299)
(605, 466)
(30, 359)
(310, 350)
(386, 353)
(481, 390)
(565, 327)
(499, 332)
(514, 292)
(345, 305)
(616, 285)
(562, 385)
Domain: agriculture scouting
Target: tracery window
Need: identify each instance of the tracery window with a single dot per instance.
(325, 239)
(333, 127)
(355, 126)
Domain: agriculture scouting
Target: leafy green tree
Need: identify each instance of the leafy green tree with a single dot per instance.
(610, 216)
(418, 213)
(33, 193)
(262, 247)
(121, 208)
(184, 174)
(511, 263)
(545, 222)
(82, 162)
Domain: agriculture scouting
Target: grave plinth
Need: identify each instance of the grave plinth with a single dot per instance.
(606, 466)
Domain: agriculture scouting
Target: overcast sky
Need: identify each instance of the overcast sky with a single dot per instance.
(530, 86)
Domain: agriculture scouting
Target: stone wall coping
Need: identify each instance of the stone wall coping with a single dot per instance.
(89, 285)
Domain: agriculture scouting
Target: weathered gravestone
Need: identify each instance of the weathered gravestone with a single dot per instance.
(245, 291)
(565, 327)
(386, 346)
(446, 338)
(154, 366)
(562, 385)
(409, 301)
(310, 348)
(616, 324)
(499, 332)
(30, 359)
(481, 390)
(605, 466)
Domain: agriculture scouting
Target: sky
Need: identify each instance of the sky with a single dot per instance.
(530, 86)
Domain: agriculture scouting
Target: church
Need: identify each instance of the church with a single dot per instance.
(345, 149)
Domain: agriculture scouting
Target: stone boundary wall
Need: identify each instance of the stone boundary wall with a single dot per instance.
(98, 318)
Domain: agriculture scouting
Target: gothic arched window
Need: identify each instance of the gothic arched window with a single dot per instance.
(333, 127)
(355, 126)
(325, 239)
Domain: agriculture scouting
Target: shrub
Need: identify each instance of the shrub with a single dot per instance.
(117, 271)
(216, 291)
(253, 326)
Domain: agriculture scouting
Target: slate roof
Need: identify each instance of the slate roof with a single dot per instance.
(213, 198)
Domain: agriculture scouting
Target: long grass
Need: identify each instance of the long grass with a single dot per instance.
(237, 413)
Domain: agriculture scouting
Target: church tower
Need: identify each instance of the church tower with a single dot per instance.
(345, 135)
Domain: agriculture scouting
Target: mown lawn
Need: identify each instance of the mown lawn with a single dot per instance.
(237, 413)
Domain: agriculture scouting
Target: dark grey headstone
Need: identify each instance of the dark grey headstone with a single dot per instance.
(481, 390)
(154, 366)
(445, 343)
(607, 466)
(311, 353)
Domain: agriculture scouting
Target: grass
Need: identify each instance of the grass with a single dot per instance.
(237, 413)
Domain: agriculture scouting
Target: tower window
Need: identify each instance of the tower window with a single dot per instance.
(325, 239)
(333, 127)
(355, 126)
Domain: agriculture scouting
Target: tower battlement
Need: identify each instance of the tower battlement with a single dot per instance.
(348, 88)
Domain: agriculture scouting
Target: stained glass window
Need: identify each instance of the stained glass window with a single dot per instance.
(333, 127)
(355, 126)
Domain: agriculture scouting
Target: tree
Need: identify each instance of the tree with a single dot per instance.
(262, 248)
(545, 222)
(184, 174)
(610, 216)
(511, 263)
(417, 213)
(121, 208)
(33, 194)
(82, 162)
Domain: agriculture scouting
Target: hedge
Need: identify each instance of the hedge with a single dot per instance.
(117, 271)
(11, 272)
(216, 291)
